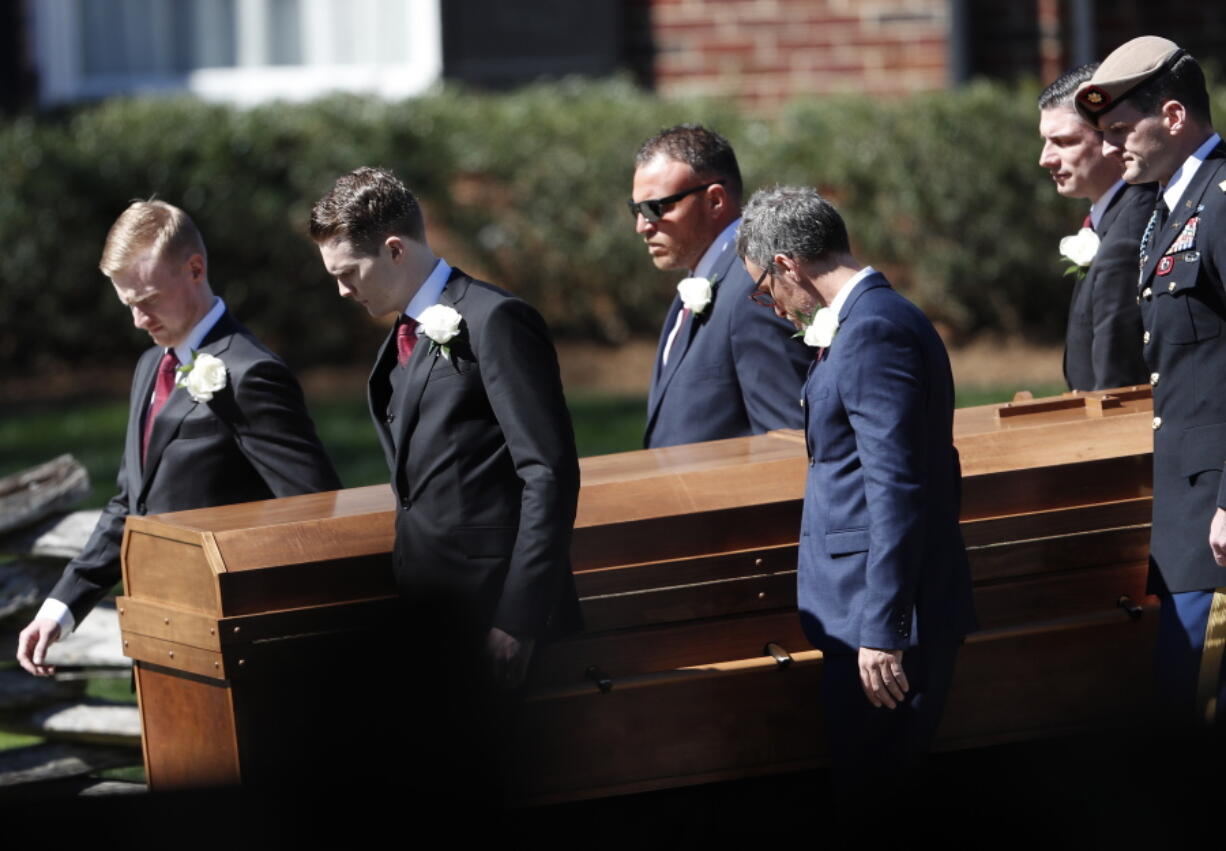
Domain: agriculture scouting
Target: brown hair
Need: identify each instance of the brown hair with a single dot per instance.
(153, 226)
(366, 206)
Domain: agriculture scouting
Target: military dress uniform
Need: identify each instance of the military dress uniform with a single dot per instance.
(1183, 310)
(1182, 298)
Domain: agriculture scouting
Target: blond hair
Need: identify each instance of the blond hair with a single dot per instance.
(149, 226)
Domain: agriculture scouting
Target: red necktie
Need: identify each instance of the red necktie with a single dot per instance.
(161, 392)
(1088, 221)
(406, 338)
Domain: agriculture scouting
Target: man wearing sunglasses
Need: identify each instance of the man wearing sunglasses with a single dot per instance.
(724, 367)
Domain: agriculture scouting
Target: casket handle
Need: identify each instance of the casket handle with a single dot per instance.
(782, 657)
(1130, 606)
(600, 678)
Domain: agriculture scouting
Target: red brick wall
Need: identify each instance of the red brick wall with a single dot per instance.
(763, 51)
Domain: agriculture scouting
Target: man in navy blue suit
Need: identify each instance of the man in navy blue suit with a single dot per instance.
(723, 369)
(883, 584)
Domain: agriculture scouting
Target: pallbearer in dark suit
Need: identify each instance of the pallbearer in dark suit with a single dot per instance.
(467, 401)
(883, 584)
(1102, 346)
(1150, 100)
(722, 369)
(236, 430)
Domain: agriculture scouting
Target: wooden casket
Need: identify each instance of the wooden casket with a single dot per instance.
(693, 666)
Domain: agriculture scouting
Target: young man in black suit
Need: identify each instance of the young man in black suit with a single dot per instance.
(1102, 346)
(467, 402)
(231, 428)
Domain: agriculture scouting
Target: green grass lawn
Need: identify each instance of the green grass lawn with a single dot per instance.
(93, 432)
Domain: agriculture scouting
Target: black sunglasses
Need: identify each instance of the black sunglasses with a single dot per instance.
(759, 297)
(653, 209)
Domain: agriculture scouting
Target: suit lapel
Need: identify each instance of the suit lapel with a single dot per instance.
(1188, 207)
(658, 370)
(180, 403)
(419, 367)
(142, 393)
(1113, 211)
(663, 374)
(379, 392)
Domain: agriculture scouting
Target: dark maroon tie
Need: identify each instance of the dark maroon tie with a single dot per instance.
(161, 392)
(406, 338)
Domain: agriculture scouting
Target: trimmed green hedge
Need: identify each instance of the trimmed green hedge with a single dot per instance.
(942, 191)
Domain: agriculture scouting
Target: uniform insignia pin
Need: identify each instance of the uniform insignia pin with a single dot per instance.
(1165, 265)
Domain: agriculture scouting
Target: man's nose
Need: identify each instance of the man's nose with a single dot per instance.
(345, 292)
(641, 225)
(139, 318)
(1111, 150)
(1047, 157)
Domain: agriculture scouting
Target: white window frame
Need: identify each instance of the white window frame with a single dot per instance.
(56, 29)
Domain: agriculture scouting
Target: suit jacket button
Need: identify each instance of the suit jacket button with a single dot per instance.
(141, 508)
(1145, 337)
(390, 418)
(1146, 293)
(404, 503)
(1170, 287)
(811, 460)
(1157, 423)
(1153, 379)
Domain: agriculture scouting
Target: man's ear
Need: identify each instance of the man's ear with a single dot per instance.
(396, 248)
(1174, 117)
(786, 264)
(196, 266)
(717, 198)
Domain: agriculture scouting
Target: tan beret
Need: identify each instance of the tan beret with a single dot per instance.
(1128, 66)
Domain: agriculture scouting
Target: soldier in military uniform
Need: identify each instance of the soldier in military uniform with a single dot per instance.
(1150, 101)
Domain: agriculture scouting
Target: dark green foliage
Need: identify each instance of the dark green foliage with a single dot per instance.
(942, 191)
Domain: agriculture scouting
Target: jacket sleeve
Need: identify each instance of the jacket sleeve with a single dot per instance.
(884, 392)
(519, 369)
(91, 575)
(275, 432)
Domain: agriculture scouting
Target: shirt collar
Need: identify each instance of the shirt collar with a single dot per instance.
(840, 298)
(1099, 207)
(428, 293)
(1180, 179)
(199, 331)
(716, 250)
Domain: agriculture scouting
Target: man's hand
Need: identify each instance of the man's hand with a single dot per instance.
(882, 677)
(32, 646)
(509, 657)
(1217, 536)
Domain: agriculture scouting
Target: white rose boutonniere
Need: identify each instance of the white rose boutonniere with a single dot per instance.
(696, 293)
(1079, 250)
(820, 332)
(203, 377)
(442, 325)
